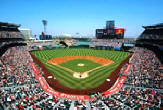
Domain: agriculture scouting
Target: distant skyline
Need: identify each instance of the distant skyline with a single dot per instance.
(82, 16)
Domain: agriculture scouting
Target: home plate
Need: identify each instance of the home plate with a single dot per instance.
(108, 80)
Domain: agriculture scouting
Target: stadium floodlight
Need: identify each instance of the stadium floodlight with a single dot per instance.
(45, 24)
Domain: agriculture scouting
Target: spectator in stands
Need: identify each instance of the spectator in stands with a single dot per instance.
(19, 88)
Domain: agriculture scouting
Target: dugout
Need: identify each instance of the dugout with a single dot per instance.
(117, 48)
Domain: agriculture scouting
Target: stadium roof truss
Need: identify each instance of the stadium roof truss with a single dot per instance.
(11, 25)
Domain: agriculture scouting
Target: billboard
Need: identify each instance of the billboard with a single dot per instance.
(119, 31)
(110, 32)
(100, 31)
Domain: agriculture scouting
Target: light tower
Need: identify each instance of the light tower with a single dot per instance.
(44, 22)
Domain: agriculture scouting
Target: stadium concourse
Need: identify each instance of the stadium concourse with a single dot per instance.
(20, 86)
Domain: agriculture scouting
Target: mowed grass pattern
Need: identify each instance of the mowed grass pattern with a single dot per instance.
(73, 65)
(95, 78)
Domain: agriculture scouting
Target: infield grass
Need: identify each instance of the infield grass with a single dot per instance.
(73, 65)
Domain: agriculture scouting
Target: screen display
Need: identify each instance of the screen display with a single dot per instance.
(119, 31)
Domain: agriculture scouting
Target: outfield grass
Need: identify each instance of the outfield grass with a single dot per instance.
(66, 78)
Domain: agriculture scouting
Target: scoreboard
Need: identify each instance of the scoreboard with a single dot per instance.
(117, 33)
(110, 32)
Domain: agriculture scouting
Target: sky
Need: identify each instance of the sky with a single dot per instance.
(82, 16)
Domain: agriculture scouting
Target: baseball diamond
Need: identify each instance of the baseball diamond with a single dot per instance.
(63, 64)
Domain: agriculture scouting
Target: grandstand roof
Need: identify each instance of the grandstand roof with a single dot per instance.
(155, 26)
(11, 25)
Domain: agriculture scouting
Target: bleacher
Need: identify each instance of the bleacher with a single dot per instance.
(152, 38)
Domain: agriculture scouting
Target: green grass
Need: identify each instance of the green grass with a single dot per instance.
(73, 65)
(66, 78)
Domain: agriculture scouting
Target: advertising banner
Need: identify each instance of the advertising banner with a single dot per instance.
(119, 31)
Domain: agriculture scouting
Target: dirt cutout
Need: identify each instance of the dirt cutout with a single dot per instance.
(102, 61)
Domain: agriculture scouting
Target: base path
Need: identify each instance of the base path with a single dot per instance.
(102, 61)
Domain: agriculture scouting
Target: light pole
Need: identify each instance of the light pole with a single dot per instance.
(44, 22)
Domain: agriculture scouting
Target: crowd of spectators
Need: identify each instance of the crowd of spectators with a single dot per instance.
(19, 89)
(104, 42)
(145, 70)
(142, 88)
(10, 34)
(3, 43)
(18, 86)
(51, 44)
(131, 97)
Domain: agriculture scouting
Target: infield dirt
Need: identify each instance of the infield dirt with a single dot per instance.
(101, 61)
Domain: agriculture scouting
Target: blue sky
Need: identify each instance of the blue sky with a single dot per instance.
(82, 16)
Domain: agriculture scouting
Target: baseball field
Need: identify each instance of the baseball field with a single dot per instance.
(80, 68)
